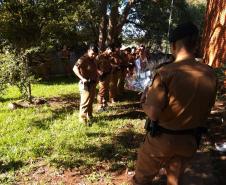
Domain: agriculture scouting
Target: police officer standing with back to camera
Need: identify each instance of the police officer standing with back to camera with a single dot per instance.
(104, 68)
(86, 69)
(177, 104)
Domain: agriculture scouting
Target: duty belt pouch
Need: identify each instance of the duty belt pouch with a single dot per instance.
(152, 127)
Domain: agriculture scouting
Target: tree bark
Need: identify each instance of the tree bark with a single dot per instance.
(113, 21)
(117, 21)
(103, 25)
(213, 40)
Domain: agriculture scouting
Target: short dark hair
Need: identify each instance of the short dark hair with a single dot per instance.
(128, 50)
(94, 48)
(187, 33)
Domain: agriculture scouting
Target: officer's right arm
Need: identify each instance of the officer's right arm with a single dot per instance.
(77, 71)
(155, 99)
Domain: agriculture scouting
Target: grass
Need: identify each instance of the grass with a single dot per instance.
(50, 134)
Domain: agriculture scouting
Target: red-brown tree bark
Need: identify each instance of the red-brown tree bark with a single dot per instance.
(214, 35)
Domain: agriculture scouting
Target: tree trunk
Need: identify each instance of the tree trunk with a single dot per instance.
(28, 87)
(113, 21)
(213, 40)
(117, 21)
(103, 25)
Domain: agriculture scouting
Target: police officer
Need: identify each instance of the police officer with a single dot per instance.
(86, 69)
(131, 60)
(115, 73)
(104, 69)
(177, 104)
(124, 69)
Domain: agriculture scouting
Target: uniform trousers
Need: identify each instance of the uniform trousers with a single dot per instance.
(113, 84)
(121, 83)
(87, 96)
(171, 152)
(103, 91)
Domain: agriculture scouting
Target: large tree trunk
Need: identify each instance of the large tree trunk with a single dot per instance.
(117, 21)
(103, 25)
(213, 41)
(113, 21)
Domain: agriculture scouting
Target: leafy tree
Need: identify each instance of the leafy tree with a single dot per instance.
(27, 27)
(151, 19)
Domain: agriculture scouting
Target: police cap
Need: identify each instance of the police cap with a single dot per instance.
(182, 31)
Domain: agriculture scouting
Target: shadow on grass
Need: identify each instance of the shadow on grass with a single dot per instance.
(120, 148)
(3, 100)
(96, 134)
(60, 108)
(12, 165)
(72, 163)
(59, 80)
(134, 114)
(124, 111)
(130, 96)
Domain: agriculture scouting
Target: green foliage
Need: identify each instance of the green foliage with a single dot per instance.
(149, 21)
(26, 27)
(49, 24)
(14, 71)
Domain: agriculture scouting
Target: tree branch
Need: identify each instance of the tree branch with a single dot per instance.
(125, 13)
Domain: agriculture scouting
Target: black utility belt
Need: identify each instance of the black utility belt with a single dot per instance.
(155, 129)
(176, 132)
(89, 81)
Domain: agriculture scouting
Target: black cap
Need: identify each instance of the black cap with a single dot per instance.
(94, 48)
(182, 31)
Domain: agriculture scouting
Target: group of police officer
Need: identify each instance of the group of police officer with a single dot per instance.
(108, 69)
(177, 103)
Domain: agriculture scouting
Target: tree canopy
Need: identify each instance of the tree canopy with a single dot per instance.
(31, 26)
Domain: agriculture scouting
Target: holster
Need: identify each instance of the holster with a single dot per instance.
(89, 83)
(152, 127)
(155, 129)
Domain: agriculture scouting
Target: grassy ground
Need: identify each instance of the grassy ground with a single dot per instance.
(49, 137)
(45, 144)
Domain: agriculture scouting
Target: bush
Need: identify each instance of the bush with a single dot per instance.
(14, 70)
